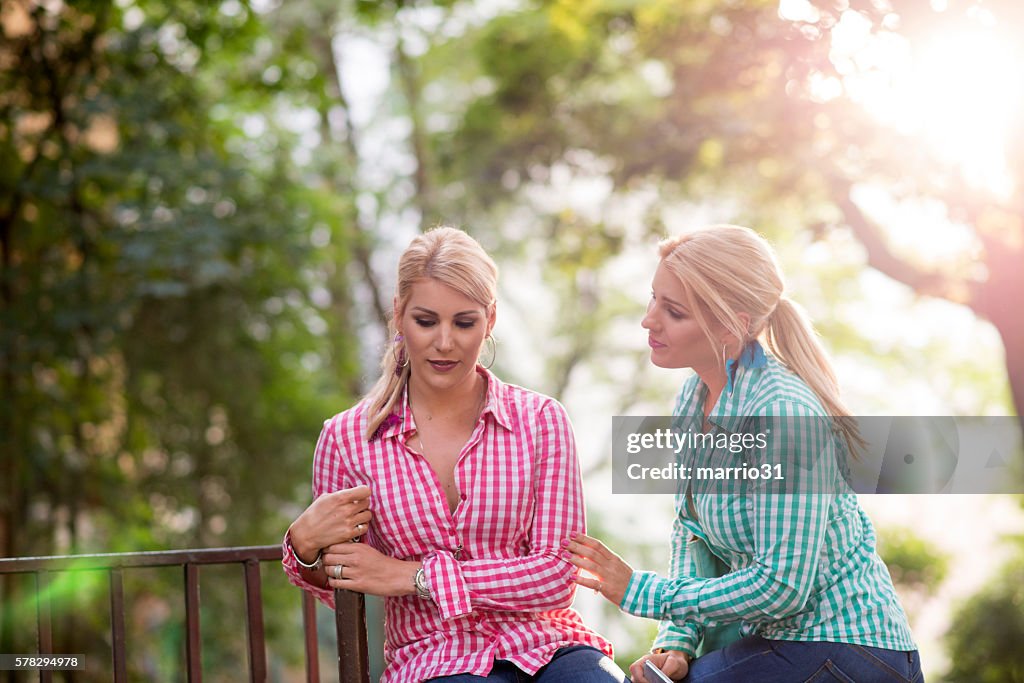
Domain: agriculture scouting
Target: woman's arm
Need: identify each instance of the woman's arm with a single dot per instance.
(541, 579)
(335, 517)
(789, 532)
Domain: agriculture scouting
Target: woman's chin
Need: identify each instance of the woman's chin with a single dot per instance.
(659, 360)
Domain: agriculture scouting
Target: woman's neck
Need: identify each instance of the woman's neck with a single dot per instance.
(714, 378)
(450, 404)
(715, 383)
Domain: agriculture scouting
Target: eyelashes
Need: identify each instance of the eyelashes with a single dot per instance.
(461, 324)
(675, 315)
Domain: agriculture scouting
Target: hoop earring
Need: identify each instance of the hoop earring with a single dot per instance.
(401, 360)
(494, 352)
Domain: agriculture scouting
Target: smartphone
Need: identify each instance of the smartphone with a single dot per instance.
(655, 675)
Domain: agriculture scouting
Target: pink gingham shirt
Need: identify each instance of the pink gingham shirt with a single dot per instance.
(501, 584)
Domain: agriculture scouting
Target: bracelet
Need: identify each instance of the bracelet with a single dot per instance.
(419, 581)
(317, 564)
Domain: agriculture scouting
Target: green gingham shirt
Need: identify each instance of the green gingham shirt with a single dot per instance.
(804, 566)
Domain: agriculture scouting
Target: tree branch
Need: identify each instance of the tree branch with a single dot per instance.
(360, 235)
(411, 86)
(925, 281)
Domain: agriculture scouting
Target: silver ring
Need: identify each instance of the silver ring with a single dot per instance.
(338, 569)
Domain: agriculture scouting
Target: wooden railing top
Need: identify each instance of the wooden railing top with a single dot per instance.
(157, 558)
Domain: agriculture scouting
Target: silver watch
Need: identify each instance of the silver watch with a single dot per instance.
(419, 580)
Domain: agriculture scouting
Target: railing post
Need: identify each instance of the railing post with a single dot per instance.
(350, 621)
(309, 631)
(117, 626)
(193, 643)
(45, 644)
(254, 605)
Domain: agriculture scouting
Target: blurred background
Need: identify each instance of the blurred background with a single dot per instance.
(202, 205)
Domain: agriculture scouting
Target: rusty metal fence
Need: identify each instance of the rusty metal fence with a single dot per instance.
(349, 610)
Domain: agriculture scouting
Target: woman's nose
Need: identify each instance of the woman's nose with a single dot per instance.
(444, 338)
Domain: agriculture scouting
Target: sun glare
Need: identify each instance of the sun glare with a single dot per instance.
(959, 90)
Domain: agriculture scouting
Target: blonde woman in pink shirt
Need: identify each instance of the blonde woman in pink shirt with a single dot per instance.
(462, 489)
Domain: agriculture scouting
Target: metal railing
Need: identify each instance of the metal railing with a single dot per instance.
(349, 608)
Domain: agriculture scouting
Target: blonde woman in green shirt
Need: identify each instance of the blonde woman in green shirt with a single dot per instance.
(811, 597)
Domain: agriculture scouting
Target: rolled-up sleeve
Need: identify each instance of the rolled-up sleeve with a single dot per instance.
(682, 636)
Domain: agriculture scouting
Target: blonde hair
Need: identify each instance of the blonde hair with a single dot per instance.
(727, 270)
(451, 257)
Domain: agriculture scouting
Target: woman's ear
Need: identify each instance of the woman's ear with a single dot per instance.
(745, 322)
(492, 317)
(396, 315)
(728, 338)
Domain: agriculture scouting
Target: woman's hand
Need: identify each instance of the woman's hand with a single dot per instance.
(612, 574)
(367, 570)
(332, 518)
(673, 663)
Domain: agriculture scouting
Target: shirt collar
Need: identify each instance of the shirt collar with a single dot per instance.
(728, 412)
(401, 420)
(396, 421)
(752, 356)
(495, 402)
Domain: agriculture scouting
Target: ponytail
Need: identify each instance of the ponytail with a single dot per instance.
(793, 340)
(389, 387)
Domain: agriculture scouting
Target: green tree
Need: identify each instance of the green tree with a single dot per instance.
(916, 566)
(987, 630)
(163, 344)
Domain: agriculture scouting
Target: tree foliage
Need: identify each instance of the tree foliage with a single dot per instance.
(162, 337)
(987, 630)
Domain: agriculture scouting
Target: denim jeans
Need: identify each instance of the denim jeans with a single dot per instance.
(576, 664)
(786, 661)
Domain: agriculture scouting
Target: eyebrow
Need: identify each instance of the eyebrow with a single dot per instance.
(672, 301)
(427, 310)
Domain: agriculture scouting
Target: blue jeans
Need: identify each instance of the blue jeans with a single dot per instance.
(576, 664)
(786, 661)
